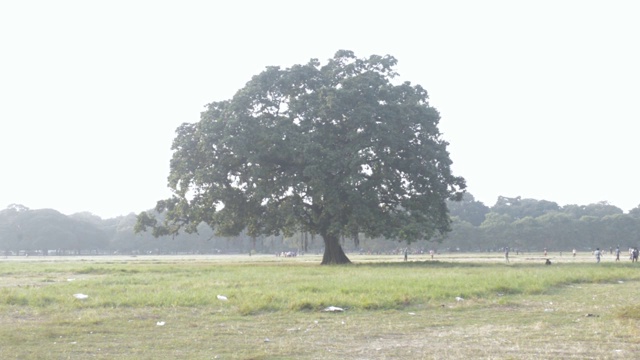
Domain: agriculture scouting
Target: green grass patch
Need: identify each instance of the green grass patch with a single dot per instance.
(274, 309)
(264, 288)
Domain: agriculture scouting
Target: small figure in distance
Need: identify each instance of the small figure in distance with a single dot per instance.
(545, 251)
(597, 254)
(548, 262)
(406, 254)
(506, 254)
(574, 252)
(618, 253)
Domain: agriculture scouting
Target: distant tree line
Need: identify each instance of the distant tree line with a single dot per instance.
(48, 232)
(533, 225)
(524, 224)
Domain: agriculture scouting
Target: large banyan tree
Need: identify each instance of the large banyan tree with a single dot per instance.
(335, 150)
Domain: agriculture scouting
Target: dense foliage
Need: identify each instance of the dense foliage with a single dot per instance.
(530, 224)
(335, 150)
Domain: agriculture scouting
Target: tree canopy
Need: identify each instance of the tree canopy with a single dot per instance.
(335, 149)
(468, 209)
(45, 229)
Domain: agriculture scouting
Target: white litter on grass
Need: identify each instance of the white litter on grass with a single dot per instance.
(458, 298)
(80, 296)
(620, 282)
(222, 298)
(412, 313)
(333, 309)
(160, 323)
(266, 340)
(71, 279)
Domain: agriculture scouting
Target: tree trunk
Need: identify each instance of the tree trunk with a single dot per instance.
(333, 253)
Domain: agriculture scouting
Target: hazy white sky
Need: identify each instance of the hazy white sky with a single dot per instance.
(538, 99)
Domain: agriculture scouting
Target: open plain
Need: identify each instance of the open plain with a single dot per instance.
(453, 306)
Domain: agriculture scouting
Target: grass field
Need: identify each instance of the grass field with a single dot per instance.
(454, 306)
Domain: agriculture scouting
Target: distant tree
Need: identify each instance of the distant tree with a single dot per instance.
(17, 207)
(48, 229)
(331, 150)
(8, 235)
(496, 229)
(590, 232)
(527, 233)
(88, 217)
(621, 229)
(635, 212)
(463, 236)
(519, 208)
(599, 210)
(558, 230)
(468, 209)
(506, 205)
(577, 211)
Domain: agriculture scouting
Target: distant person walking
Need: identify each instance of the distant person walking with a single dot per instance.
(574, 252)
(617, 253)
(506, 254)
(406, 254)
(597, 254)
(545, 251)
(634, 257)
